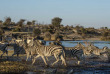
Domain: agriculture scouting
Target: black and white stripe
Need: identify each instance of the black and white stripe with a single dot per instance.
(45, 51)
(75, 52)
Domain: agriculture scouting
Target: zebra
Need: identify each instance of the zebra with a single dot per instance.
(46, 51)
(30, 48)
(17, 46)
(76, 51)
(86, 51)
(3, 48)
(99, 51)
(94, 50)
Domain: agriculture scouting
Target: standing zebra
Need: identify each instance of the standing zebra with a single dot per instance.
(46, 51)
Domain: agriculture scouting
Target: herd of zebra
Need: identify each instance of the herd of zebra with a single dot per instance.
(37, 48)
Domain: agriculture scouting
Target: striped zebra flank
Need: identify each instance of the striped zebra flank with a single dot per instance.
(46, 51)
(76, 51)
(30, 49)
(73, 52)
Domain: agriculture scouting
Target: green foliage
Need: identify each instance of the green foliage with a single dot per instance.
(105, 34)
(29, 23)
(20, 22)
(104, 28)
(50, 28)
(33, 22)
(16, 30)
(56, 21)
(83, 30)
(36, 32)
(7, 21)
(47, 34)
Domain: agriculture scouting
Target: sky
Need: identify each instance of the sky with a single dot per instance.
(87, 13)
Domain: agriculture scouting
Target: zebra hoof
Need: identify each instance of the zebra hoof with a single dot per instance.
(46, 65)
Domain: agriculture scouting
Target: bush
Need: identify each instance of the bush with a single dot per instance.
(36, 32)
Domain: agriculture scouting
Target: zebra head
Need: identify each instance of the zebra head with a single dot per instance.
(79, 46)
(52, 43)
(105, 49)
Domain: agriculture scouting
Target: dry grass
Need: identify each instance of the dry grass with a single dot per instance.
(7, 66)
(13, 67)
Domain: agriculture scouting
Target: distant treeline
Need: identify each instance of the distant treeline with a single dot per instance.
(55, 28)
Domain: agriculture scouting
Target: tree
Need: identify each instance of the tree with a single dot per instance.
(105, 34)
(1, 22)
(83, 30)
(36, 32)
(7, 21)
(20, 22)
(29, 23)
(33, 22)
(56, 21)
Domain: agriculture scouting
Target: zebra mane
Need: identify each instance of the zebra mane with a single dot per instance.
(35, 43)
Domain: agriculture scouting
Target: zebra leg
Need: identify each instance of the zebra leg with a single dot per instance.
(44, 60)
(2, 54)
(78, 62)
(63, 60)
(27, 57)
(7, 53)
(47, 59)
(78, 59)
(17, 54)
(35, 59)
(13, 54)
(57, 59)
(55, 62)
(30, 56)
